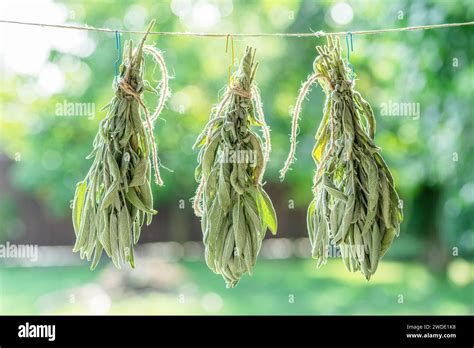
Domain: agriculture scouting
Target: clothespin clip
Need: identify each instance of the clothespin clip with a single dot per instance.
(118, 62)
(233, 56)
(350, 48)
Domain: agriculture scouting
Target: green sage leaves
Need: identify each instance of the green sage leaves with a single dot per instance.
(235, 210)
(355, 204)
(110, 205)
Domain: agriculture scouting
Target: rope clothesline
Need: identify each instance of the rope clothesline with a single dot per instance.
(319, 33)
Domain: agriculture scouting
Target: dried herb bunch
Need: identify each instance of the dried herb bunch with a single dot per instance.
(235, 210)
(355, 204)
(111, 203)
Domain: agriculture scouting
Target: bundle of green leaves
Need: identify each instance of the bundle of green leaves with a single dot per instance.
(355, 202)
(111, 203)
(355, 206)
(234, 208)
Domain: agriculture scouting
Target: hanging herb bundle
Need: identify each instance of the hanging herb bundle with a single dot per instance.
(355, 204)
(235, 210)
(111, 203)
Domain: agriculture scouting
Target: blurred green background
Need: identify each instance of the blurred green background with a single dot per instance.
(428, 269)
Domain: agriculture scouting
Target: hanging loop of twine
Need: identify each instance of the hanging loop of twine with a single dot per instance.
(305, 88)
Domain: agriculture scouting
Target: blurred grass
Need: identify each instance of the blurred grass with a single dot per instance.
(277, 287)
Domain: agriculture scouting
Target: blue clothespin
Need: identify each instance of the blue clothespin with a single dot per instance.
(349, 50)
(119, 53)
